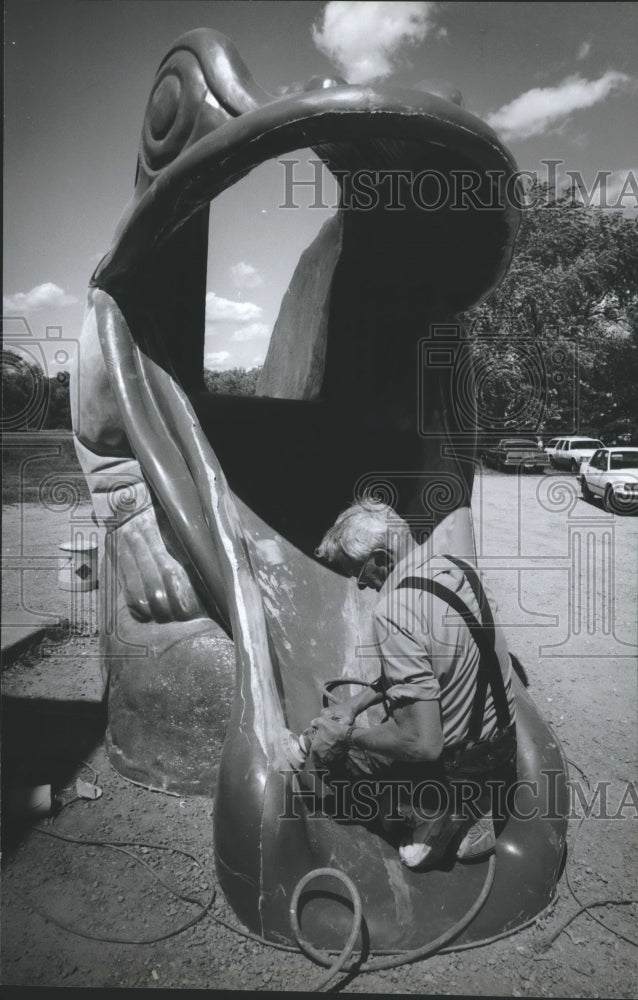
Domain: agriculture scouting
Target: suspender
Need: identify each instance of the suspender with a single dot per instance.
(483, 633)
(495, 677)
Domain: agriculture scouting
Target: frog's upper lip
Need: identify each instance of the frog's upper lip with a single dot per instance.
(234, 126)
(371, 287)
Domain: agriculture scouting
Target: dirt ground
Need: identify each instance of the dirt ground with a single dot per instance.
(564, 573)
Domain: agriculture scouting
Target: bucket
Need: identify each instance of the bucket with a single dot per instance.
(77, 567)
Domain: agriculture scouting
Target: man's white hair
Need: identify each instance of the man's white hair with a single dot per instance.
(364, 526)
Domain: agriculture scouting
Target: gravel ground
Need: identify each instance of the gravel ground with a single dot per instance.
(564, 573)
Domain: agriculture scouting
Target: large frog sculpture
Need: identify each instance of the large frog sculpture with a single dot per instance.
(214, 505)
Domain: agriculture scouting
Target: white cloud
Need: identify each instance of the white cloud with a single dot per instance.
(251, 332)
(219, 309)
(45, 296)
(543, 107)
(584, 51)
(364, 39)
(217, 359)
(245, 275)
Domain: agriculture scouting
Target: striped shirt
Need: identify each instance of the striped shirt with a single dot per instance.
(426, 650)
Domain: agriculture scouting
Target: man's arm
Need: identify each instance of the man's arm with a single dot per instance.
(345, 710)
(413, 734)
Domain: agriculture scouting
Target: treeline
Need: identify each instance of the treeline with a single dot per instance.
(555, 346)
(233, 382)
(30, 401)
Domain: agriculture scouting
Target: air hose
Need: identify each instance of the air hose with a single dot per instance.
(342, 963)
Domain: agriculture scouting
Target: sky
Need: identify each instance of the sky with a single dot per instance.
(557, 81)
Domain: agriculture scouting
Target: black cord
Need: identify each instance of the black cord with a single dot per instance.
(586, 907)
(122, 846)
(606, 902)
(393, 958)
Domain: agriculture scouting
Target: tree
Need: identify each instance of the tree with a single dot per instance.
(568, 308)
(24, 393)
(58, 414)
(30, 401)
(233, 382)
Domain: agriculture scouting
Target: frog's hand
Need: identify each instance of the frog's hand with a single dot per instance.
(149, 566)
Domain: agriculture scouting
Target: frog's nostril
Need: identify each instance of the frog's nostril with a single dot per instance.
(324, 82)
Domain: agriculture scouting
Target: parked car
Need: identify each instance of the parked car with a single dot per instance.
(611, 474)
(515, 453)
(571, 452)
(550, 447)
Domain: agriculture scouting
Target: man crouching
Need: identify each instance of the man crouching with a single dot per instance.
(445, 683)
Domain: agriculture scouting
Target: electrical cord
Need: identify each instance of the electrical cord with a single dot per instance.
(484, 942)
(451, 949)
(335, 965)
(380, 951)
(547, 941)
(335, 961)
(253, 937)
(121, 846)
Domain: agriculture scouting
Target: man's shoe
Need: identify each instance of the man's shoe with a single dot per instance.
(426, 845)
(479, 841)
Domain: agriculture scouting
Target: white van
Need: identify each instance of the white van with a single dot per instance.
(571, 451)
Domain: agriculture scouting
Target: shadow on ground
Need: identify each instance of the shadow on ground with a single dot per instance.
(42, 744)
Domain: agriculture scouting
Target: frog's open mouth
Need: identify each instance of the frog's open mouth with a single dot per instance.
(426, 229)
(366, 386)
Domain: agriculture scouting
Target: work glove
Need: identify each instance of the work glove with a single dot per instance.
(329, 740)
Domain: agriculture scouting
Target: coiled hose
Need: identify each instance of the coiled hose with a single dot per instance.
(342, 963)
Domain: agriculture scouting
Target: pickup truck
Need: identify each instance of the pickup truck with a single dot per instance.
(515, 453)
